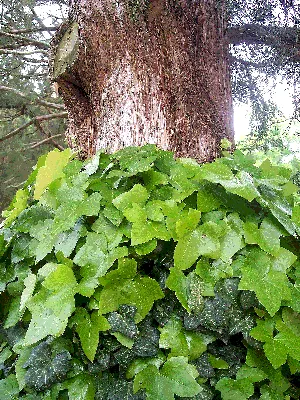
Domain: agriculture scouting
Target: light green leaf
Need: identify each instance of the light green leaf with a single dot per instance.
(231, 389)
(145, 248)
(88, 327)
(138, 194)
(9, 387)
(175, 377)
(52, 305)
(182, 342)
(188, 289)
(187, 222)
(18, 204)
(218, 363)
(276, 352)
(51, 170)
(82, 387)
(202, 241)
(144, 231)
(264, 275)
(29, 283)
(139, 291)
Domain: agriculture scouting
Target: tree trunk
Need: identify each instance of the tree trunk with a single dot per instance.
(133, 72)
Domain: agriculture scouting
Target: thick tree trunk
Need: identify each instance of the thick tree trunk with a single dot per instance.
(133, 72)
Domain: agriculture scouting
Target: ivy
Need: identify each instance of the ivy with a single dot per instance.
(137, 276)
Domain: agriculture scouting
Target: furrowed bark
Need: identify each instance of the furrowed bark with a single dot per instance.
(132, 73)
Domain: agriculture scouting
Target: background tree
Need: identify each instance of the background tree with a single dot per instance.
(32, 121)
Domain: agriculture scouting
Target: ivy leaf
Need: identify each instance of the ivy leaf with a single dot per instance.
(88, 328)
(279, 207)
(81, 387)
(175, 377)
(202, 241)
(123, 321)
(267, 278)
(52, 305)
(51, 170)
(44, 367)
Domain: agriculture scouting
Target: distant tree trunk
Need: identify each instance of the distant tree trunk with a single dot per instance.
(133, 72)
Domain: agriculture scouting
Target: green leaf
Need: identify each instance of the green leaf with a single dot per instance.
(188, 289)
(207, 199)
(18, 204)
(202, 241)
(241, 184)
(9, 387)
(122, 286)
(187, 222)
(144, 231)
(20, 371)
(218, 363)
(112, 233)
(175, 377)
(146, 248)
(181, 342)
(29, 283)
(51, 170)
(88, 327)
(266, 276)
(139, 364)
(230, 389)
(14, 314)
(276, 352)
(81, 387)
(52, 305)
(138, 194)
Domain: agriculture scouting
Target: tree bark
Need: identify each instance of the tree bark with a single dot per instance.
(133, 72)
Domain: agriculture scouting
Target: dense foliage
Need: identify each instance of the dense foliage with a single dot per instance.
(137, 276)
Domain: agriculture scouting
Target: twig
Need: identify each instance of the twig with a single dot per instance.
(22, 53)
(49, 139)
(55, 144)
(21, 31)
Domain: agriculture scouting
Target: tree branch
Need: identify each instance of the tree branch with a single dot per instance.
(38, 101)
(24, 39)
(265, 35)
(33, 121)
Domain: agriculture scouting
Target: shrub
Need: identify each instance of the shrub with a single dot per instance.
(137, 276)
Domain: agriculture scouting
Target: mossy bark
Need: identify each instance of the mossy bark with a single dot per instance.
(147, 71)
